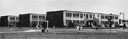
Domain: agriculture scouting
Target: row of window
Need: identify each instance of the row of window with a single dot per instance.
(88, 15)
(124, 20)
(14, 18)
(36, 17)
(79, 15)
(107, 17)
(75, 21)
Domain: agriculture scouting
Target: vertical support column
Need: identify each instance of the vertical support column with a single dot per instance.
(30, 20)
(8, 21)
(72, 17)
(123, 17)
(38, 20)
(15, 22)
(47, 25)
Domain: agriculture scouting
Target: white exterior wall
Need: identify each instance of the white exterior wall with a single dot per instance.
(64, 20)
(71, 18)
(84, 17)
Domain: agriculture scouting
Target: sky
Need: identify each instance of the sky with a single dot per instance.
(16, 7)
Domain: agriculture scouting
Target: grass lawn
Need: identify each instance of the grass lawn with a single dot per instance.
(77, 35)
(65, 34)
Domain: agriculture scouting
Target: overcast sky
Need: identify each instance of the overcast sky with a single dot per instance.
(15, 7)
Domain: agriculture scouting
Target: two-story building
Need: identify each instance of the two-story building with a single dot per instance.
(31, 20)
(9, 21)
(62, 18)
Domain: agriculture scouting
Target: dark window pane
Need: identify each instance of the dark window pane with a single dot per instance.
(68, 14)
(86, 15)
(102, 17)
(90, 16)
(81, 15)
(42, 17)
(12, 18)
(98, 15)
(68, 21)
(75, 14)
(116, 17)
(34, 17)
(76, 21)
(106, 17)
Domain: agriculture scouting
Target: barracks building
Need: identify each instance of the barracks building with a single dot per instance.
(63, 18)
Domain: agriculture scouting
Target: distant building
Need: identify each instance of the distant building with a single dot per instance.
(104, 18)
(9, 21)
(31, 20)
(125, 21)
(63, 18)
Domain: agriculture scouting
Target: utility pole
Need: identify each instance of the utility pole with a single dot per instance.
(123, 15)
(123, 19)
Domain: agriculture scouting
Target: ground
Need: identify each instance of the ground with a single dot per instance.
(63, 34)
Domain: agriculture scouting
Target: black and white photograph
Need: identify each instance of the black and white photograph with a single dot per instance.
(63, 19)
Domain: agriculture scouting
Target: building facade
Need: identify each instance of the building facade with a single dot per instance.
(31, 20)
(63, 18)
(125, 21)
(9, 21)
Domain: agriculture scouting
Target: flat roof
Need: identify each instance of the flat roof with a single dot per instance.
(10, 16)
(84, 12)
(34, 14)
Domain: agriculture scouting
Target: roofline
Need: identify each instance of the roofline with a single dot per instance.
(34, 14)
(107, 14)
(83, 12)
(10, 16)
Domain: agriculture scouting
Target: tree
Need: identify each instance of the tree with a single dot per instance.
(96, 22)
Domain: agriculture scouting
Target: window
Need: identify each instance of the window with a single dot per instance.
(93, 15)
(34, 17)
(17, 18)
(68, 14)
(12, 18)
(112, 17)
(86, 15)
(81, 22)
(76, 21)
(40, 22)
(116, 17)
(116, 22)
(68, 21)
(75, 14)
(81, 15)
(106, 17)
(102, 16)
(98, 15)
(41, 17)
(90, 16)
